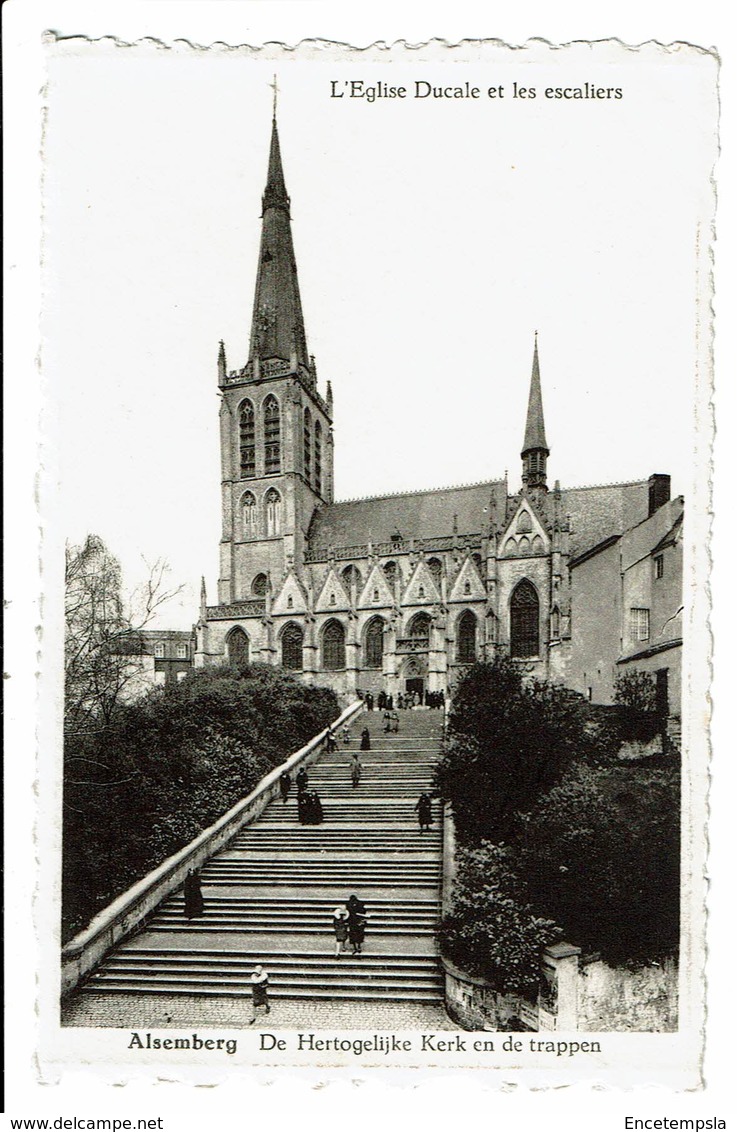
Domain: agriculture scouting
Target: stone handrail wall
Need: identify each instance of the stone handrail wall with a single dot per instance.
(129, 910)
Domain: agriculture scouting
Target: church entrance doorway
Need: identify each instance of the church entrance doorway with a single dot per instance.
(416, 684)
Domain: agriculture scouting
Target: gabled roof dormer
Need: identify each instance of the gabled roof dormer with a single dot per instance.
(332, 595)
(376, 592)
(525, 536)
(467, 585)
(421, 588)
(291, 597)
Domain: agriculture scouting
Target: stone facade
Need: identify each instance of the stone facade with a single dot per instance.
(401, 592)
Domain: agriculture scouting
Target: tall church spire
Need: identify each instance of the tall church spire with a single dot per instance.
(277, 327)
(535, 449)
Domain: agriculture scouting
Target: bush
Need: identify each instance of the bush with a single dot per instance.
(168, 766)
(492, 931)
(639, 720)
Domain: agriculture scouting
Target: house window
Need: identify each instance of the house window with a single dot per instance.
(290, 602)
(659, 566)
(247, 441)
(307, 445)
(182, 652)
(524, 621)
(159, 651)
(640, 624)
(259, 585)
(272, 436)
(466, 640)
(238, 648)
(374, 654)
(273, 512)
(421, 592)
(318, 457)
(291, 647)
(376, 595)
(466, 587)
(333, 646)
(248, 512)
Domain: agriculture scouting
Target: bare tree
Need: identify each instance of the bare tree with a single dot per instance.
(103, 632)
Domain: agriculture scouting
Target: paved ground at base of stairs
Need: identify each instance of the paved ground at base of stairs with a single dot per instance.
(139, 1011)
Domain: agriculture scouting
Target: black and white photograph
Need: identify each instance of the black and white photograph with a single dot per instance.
(375, 486)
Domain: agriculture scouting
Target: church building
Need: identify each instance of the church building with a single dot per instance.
(399, 592)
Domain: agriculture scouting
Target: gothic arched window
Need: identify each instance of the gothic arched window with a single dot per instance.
(291, 647)
(419, 626)
(478, 563)
(272, 436)
(435, 567)
(555, 624)
(238, 648)
(272, 501)
(390, 573)
(374, 650)
(259, 585)
(248, 515)
(351, 575)
(524, 620)
(524, 523)
(247, 428)
(466, 638)
(318, 457)
(307, 445)
(333, 646)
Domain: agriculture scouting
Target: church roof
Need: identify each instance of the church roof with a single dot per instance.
(277, 327)
(412, 514)
(535, 427)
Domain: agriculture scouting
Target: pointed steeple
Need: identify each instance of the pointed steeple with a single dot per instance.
(222, 364)
(203, 600)
(277, 327)
(535, 449)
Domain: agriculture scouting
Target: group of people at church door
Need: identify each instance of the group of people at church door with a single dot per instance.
(349, 923)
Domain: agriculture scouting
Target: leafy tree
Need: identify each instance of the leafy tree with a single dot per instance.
(492, 931)
(600, 853)
(510, 739)
(167, 766)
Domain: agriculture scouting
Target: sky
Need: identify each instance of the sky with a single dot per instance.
(433, 237)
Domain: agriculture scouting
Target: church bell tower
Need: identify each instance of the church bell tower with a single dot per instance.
(275, 428)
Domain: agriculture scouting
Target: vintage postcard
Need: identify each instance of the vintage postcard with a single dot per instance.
(377, 449)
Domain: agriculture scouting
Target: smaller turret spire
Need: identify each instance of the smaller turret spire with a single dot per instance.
(535, 449)
(222, 364)
(203, 599)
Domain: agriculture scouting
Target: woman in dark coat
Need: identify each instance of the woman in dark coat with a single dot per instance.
(424, 812)
(356, 923)
(365, 740)
(194, 904)
(301, 779)
(285, 785)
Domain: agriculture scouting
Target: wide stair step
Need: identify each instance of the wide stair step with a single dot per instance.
(275, 885)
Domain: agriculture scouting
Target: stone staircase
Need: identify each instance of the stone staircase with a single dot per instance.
(270, 894)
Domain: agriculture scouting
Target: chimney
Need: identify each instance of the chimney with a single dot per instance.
(658, 492)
